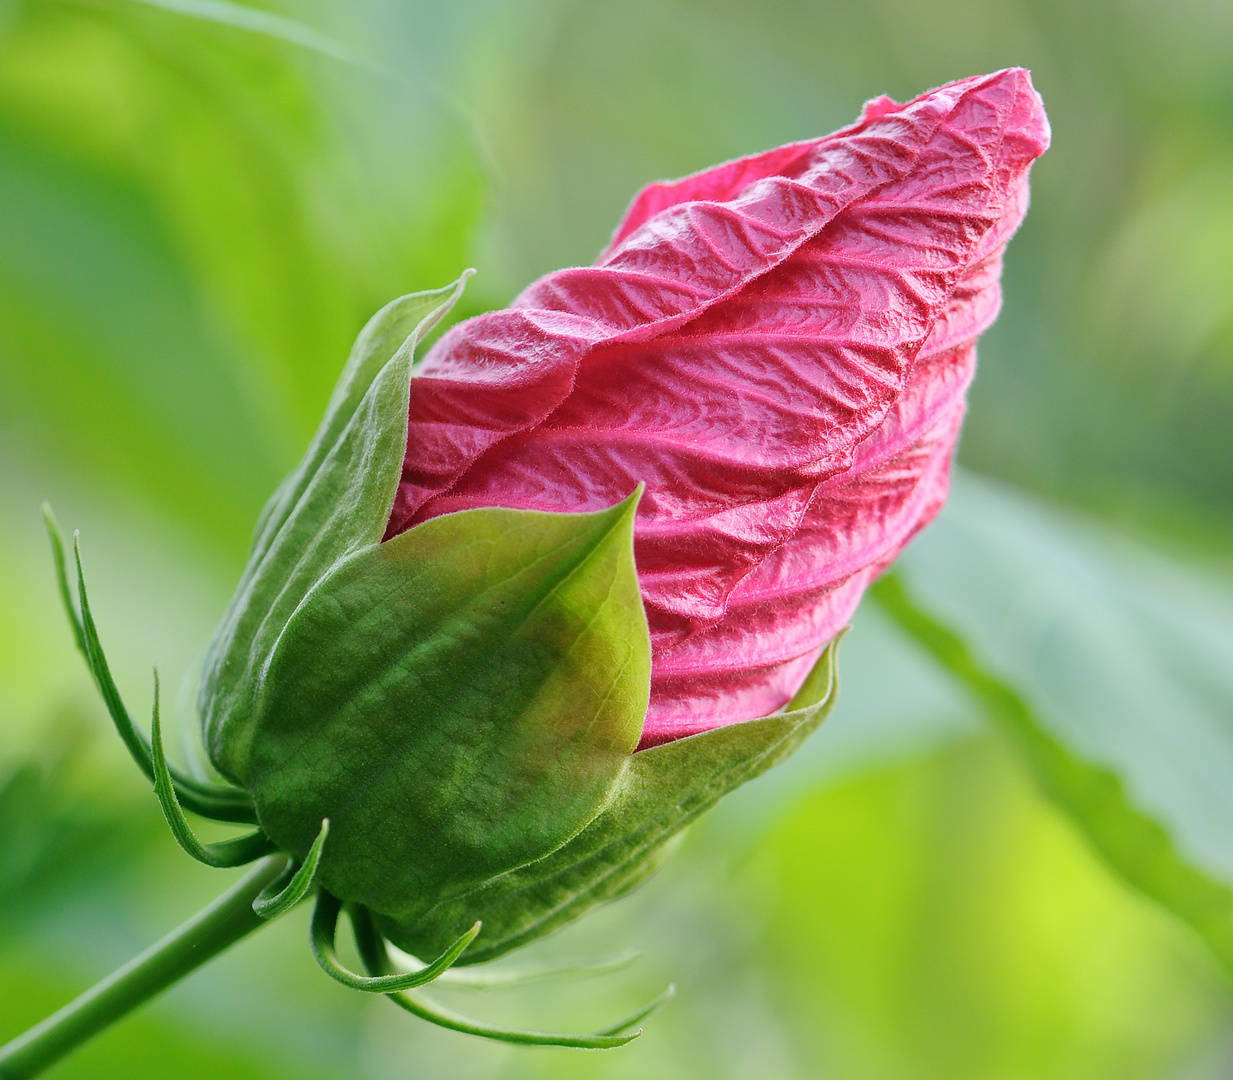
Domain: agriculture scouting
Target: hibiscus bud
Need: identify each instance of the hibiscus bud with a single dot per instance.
(635, 506)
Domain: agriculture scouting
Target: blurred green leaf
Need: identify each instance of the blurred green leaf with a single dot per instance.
(1118, 684)
(1134, 844)
(255, 21)
(56, 838)
(935, 920)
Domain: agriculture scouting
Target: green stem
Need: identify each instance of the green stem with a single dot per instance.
(185, 949)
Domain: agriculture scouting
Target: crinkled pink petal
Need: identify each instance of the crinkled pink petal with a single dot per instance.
(779, 348)
(780, 616)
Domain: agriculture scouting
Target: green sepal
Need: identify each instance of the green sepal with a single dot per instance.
(660, 791)
(458, 702)
(336, 502)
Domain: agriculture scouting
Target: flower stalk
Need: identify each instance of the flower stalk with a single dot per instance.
(190, 946)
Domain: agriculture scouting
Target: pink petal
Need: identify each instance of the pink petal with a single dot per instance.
(779, 348)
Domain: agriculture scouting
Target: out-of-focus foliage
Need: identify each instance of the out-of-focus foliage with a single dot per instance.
(1126, 667)
(196, 219)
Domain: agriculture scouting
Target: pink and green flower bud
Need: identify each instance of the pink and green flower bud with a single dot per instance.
(514, 622)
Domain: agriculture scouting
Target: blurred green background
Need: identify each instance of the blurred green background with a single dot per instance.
(195, 220)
